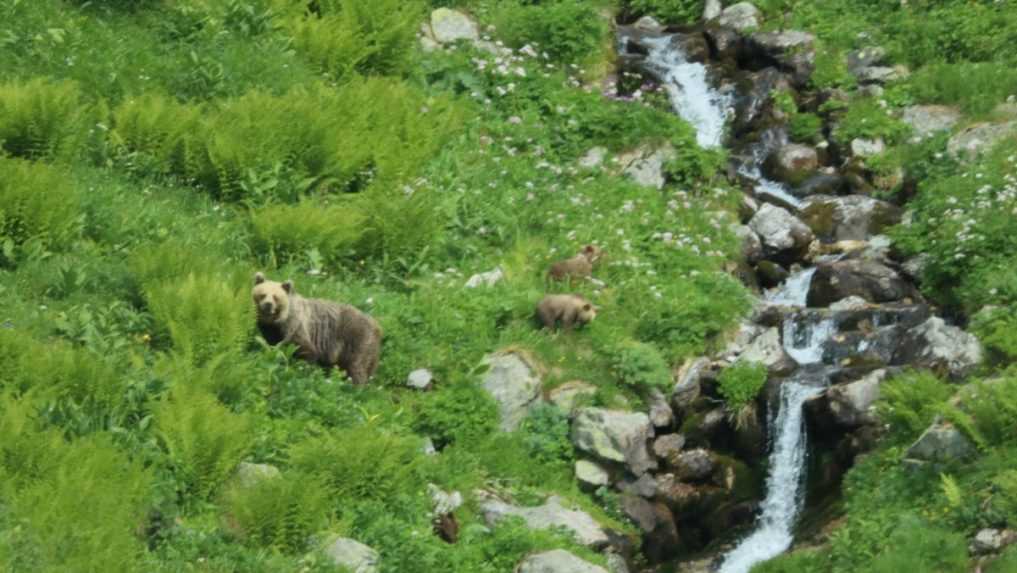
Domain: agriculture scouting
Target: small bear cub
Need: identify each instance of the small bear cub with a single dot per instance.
(326, 333)
(568, 310)
(578, 267)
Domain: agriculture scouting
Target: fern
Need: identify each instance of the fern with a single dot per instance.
(158, 128)
(953, 493)
(281, 513)
(289, 231)
(38, 209)
(41, 119)
(203, 440)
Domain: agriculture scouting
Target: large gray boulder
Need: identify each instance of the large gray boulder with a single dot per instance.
(989, 541)
(451, 25)
(668, 447)
(514, 385)
(712, 9)
(793, 50)
(687, 382)
(870, 280)
(661, 415)
(752, 247)
(926, 120)
(848, 218)
(591, 474)
(941, 443)
(570, 394)
(645, 165)
(694, 465)
(557, 561)
(615, 436)
(553, 514)
(779, 230)
(741, 17)
(849, 405)
(941, 347)
(353, 555)
(768, 350)
(249, 475)
(793, 163)
(979, 138)
(655, 520)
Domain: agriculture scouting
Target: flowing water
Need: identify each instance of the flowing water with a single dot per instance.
(795, 290)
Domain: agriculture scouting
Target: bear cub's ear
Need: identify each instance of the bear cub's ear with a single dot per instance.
(587, 306)
(259, 277)
(288, 286)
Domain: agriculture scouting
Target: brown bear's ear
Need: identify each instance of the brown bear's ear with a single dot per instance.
(259, 277)
(288, 286)
(587, 306)
(589, 249)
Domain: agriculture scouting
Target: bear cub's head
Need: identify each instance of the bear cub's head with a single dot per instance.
(587, 312)
(272, 299)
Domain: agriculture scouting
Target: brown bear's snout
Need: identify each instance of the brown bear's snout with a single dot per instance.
(267, 308)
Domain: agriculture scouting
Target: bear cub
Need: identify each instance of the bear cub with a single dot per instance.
(578, 267)
(326, 333)
(568, 310)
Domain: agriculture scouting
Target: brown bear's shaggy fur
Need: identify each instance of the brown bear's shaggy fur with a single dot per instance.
(325, 332)
(567, 309)
(578, 267)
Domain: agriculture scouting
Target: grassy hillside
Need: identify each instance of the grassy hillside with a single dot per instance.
(156, 154)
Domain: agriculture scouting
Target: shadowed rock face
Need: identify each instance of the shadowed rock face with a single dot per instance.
(872, 281)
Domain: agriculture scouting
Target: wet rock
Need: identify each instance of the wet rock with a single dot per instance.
(695, 46)
(849, 404)
(451, 25)
(249, 475)
(660, 535)
(822, 184)
(687, 380)
(768, 350)
(643, 486)
(869, 280)
(617, 564)
(792, 50)
(420, 379)
(514, 385)
(940, 347)
(941, 443)
(570, 394)
(915, 266)
(694, 465)
(668, 447)
(849, 303)
(725, 43)
(979, 138)
(645, 165)
(752, 103)
(989, 541)
(615, 436)
(780, 231)
(848, 218)
(752, 247)
(552, 514)
(712, 9)
(771, 274)
(591, 474)
(660, 412)
(867, 147)
(792, 163)
(353, 555)
(557, 561)
(926, 120)
(741, 17)
(648, 24)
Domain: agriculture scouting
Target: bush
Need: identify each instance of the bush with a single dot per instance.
(361, 463)
(291, 231)
(38, 210)
(352, 36)
(281, 513)
(909, 402)
(41, 119)
(456, 414)
(203, 315)
(993, 407)
(806, 127)
(668, 11)
(917, 545)
(642, 367)
(203, 440)
(740, 383)
(570, 31)
(546, 434)
(976, 87)
(154, 131)
(865, 119)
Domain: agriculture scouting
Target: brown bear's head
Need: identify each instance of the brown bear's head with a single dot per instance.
(591, 253)
(272, 299)
(587, 312)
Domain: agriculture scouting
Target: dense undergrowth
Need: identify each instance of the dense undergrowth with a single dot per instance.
(155, 154)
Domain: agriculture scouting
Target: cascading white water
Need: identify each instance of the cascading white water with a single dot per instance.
(765, 187)
(773, 535)
(692, 96)
(794, 291)
(805, 339)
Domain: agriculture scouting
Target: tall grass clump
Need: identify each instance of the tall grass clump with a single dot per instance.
(352, 36)
(202, 439)
(280, 513)
(38, 210)
(741, 382)
(289, 231)
(41, 119)
(569, 31)
(155, 131)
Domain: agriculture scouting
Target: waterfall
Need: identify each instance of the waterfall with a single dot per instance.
(773, 534)
(794, 291)
(692, 97)
(804, 338)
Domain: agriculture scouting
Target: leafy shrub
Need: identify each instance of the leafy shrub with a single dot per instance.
(38, 209)
(203, 315)
(741, 382)
(281, 513)
(457, 413)
(668, 11)
(806, 127)
(40, 118)
(157, 132)
(865, 119)
(996, 328)
(641, 366)
(289, 231)
(909, 402)
(570, 31)
(203, 440)
(546, 433)
(916, 544)
(975, 87)
(993, 407)
(351, 36)
(361, 463)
